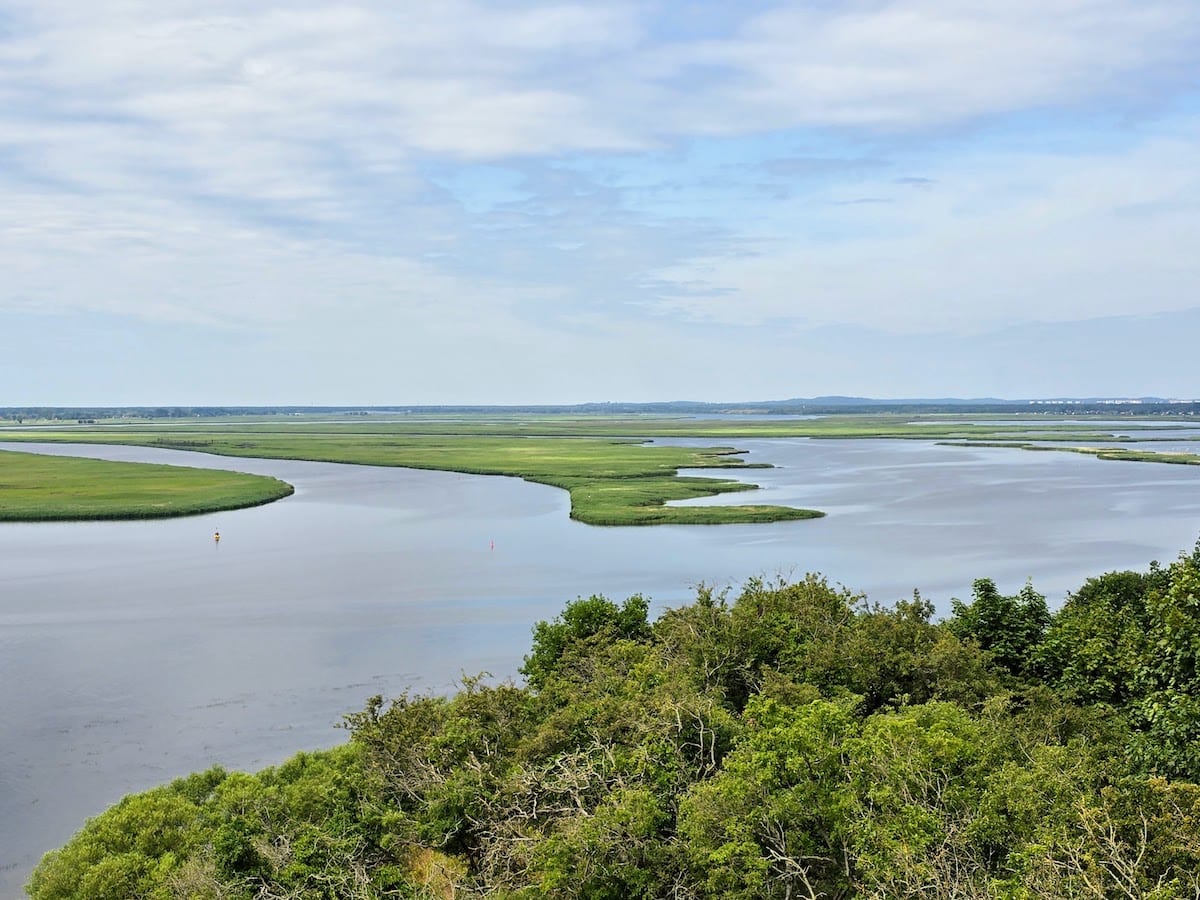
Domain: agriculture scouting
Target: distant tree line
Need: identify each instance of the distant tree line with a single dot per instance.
(1149, 406)
(792, 741)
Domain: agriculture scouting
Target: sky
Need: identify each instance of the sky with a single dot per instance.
(206, 202)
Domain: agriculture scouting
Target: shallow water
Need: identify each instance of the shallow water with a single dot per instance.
(135, 652)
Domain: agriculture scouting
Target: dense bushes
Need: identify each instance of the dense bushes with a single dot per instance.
(794, 741)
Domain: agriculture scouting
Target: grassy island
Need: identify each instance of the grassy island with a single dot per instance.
(34, 487)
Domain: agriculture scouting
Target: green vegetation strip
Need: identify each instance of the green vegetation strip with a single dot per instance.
(34, 487)
(610, 482)
(1117, 453)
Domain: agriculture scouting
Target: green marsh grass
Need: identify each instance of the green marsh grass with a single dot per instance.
(610, 481)
(613, 476)
(35, 487)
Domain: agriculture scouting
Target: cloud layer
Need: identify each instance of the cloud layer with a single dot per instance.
(602, 178)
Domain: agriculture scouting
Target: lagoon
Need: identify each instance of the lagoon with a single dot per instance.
(135, 652)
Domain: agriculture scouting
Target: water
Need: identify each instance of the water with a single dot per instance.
(135, 652)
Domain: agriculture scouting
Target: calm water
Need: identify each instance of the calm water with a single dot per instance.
(135, 652)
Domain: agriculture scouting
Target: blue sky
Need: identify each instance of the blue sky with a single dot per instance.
(208, 202)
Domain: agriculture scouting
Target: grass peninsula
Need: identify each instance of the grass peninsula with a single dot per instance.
(611, 481)
(34, 487)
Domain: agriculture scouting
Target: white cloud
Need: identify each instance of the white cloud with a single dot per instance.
(1004, 238)
(908, 65)
(218, 162)
(477, 80)
(146, 262)
(240, 95)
